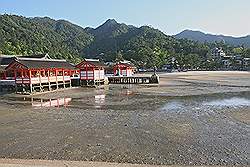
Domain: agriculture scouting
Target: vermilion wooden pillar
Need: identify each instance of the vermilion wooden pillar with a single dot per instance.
(40, 80)
(4, 75)
(63, 78)
(31, 89)
(56, 79)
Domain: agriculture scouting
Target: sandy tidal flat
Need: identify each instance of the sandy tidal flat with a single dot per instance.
(193, 118)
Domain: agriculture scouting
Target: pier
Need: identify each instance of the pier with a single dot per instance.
(131, 80)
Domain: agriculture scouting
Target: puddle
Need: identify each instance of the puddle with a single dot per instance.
(230, 102)
(126, 97)
(203, 103)
(175, 105)
(96, 98)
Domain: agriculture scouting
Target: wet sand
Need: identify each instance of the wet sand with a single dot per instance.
(61, 163)
(197, 83)
(194, 118)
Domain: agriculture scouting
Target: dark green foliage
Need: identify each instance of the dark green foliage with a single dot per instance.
(246, 52)
(61, 39)
(145, 46)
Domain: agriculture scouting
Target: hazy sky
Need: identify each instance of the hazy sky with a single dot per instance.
(228, 17)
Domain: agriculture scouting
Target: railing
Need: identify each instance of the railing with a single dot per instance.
(37, 80)
(129, 80)
(92, 75)
(22, 80)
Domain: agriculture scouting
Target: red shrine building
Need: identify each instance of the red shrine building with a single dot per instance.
(35, 74)
(5, 60)
(123, 69)
(91, 72)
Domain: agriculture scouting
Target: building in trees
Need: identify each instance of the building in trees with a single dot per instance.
(246, 63)
(218, 53)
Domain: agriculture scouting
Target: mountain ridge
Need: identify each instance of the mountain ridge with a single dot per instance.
(145, 45)
(207, 37)
(200, 31)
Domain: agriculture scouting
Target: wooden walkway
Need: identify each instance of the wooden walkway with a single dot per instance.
(129, 80)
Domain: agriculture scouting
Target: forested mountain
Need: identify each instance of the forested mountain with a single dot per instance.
(202, 37)
(145, 46)
(108, 38)
(61, 39)
(132, 42)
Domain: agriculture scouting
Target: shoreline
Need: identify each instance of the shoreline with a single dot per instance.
(59, 163)
(191, 83)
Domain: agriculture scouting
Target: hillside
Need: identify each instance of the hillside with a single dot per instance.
(144, 46)
(108, 38)
(59, 38)
(202, 37)
(112, 37)
(62, 39)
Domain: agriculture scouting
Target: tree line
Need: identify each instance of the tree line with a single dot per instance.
(145, 46)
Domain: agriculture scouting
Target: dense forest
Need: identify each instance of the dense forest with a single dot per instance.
(25, 36)
(144, 46)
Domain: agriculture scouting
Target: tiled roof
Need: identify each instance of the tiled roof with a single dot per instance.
(97, 63)
(94, 62)
(125, 64)
(6, 60)
(38, 56)
(45, 64)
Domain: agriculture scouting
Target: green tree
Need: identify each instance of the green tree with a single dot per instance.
(238, 51)
(119, 57)
(246, 53)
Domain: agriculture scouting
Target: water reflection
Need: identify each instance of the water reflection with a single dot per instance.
(204, 103)
(125, 90)
(128, 92)
(50, 102)
(230, 102)
(99, 100)
(127, 98)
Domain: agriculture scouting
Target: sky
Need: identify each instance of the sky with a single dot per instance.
(227, 17)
